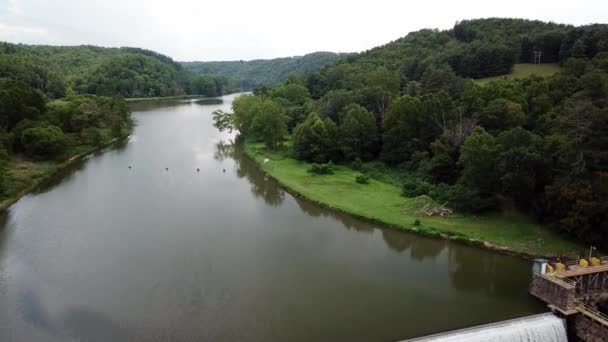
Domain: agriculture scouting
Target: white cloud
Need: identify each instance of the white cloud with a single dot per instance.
(244, 29)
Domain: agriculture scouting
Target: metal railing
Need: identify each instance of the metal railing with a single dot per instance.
(592, 313)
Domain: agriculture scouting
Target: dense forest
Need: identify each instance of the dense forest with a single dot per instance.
(536, 144)
(247, 75)
(128, 72)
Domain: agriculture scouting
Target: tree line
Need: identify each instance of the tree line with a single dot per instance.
(127, 72)
(535, 144)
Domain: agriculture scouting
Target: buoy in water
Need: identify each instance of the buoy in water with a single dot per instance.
(166, 169)
(197, 169)
(129, 166)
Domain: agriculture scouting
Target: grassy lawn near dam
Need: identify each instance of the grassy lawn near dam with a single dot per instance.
(525, 70)
(382, 202)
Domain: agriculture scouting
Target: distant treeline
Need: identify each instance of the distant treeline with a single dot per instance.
(535, 144)
(247, 75)
(127, 72)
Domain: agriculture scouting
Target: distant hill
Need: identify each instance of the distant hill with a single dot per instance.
(472, 49)
(126, 71)
(249, 74)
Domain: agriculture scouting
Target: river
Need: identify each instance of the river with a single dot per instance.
(112, 253)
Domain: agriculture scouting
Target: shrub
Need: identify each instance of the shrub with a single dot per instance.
(362, 179)
(417, 222)
(416, 187)
(43, 141)
(357, 164)
(321, 169)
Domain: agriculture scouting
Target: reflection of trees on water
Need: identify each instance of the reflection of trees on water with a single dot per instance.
(427, 248)
(261, 185)
(4, 233)
(420, 247)
(212, 101)
(348, 221)
(475, 270)
(223, 150)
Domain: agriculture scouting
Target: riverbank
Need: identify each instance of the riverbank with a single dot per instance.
(380, 202)
(26, 175)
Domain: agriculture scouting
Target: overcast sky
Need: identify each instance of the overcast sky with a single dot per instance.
(241, 29)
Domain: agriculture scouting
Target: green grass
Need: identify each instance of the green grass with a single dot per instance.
(382, 202)
(525, 70)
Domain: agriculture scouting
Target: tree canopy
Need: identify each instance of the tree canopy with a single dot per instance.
(534, 143)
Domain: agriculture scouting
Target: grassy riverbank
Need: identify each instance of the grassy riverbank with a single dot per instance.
(382, 202)
(23, 175)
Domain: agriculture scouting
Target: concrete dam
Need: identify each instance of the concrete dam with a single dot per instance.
(538, 328)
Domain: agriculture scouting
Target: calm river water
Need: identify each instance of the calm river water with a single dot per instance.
(110, 253)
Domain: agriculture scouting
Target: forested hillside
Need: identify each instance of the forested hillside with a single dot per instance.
(409, 108)
(128, 72)
(43, 120)
(249, 74)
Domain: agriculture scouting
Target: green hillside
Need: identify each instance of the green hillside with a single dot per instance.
(129, 72)
(531, 140)
(249, 74)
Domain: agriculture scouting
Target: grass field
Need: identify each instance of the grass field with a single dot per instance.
(525, 70)
(382, 202)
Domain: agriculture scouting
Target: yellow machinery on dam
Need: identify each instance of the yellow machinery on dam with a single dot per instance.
(573, 290)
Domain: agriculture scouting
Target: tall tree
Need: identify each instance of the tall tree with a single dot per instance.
(358, 133)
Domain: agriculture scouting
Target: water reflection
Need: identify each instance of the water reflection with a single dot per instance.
(397, 241)
(205, 102)
(486, 272)
(262, 186)
(32, 311)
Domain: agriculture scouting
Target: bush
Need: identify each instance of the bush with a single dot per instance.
(321, 169)
(362, 179)
(416, 187)
(417, 222)
(43, 141)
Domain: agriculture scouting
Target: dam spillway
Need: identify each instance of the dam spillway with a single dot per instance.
(538, 328)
